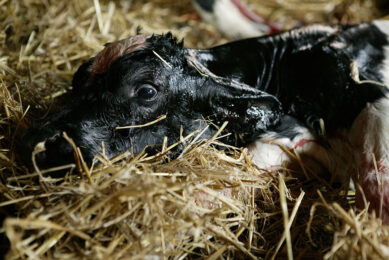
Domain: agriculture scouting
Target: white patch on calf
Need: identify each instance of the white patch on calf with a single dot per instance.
(267, 154)
(385, 67)
(334, 156)
(327, 29)
(363, 150)
(370, 130)
(370, 136)
(383, 26)
(338, 45)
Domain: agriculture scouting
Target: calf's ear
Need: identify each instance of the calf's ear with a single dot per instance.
(82, 76)
(248, 111)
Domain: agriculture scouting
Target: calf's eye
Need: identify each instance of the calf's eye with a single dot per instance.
(146, 92)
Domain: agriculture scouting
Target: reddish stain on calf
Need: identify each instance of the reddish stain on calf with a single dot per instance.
(302, 142)
(114, 51)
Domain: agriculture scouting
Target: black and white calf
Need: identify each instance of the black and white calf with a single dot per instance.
(317, 90)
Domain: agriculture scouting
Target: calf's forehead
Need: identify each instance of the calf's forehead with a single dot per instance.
(114, 51)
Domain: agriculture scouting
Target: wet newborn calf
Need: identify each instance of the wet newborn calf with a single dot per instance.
(137, 80)
(301, 88)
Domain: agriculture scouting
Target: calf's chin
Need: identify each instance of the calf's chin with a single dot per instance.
(96, 136)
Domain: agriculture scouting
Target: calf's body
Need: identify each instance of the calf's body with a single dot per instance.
(316, 90)
(360, 149)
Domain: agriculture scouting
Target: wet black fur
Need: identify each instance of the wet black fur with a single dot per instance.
(187, 98)
(308, 79)
(310, 76)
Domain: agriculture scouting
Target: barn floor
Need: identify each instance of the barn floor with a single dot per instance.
(147, 206)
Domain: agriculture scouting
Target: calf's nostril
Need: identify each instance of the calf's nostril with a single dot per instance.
(48, 149)
(58, 151)
(26, 145)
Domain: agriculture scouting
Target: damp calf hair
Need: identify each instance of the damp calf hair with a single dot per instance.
(317, 90)
(136, 81)
(280, 85)
(255, 84)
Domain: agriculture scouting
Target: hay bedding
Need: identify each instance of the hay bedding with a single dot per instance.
(205, 204)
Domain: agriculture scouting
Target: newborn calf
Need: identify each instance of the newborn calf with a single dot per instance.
(137, 80)
(314, 90)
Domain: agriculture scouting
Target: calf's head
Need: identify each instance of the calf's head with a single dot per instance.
(137, 80)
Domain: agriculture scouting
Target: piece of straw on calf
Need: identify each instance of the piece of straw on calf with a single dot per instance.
(313, 90)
